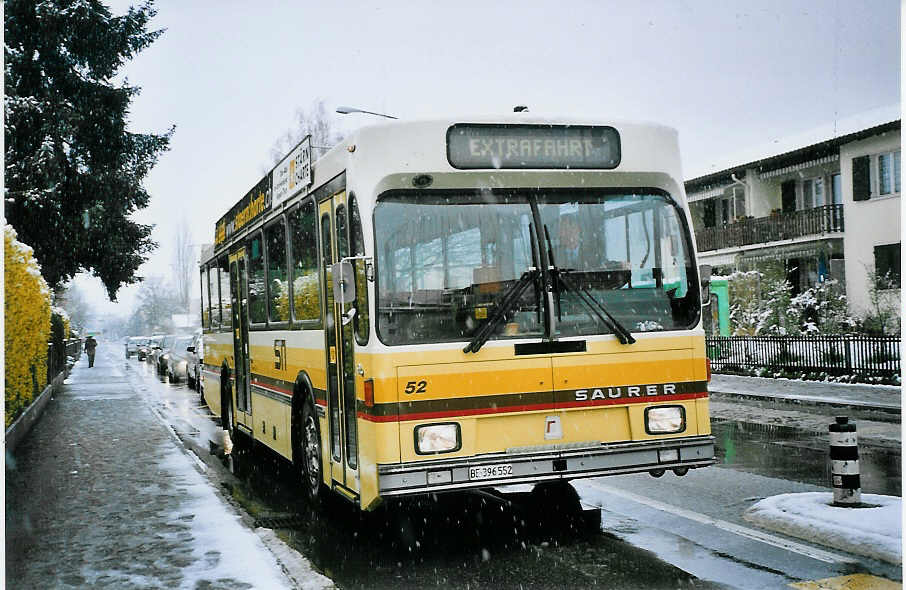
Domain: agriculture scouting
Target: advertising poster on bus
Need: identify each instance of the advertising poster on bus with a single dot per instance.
(293, 173)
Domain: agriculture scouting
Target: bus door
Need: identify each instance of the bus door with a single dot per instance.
(341, 394)
(239, 295)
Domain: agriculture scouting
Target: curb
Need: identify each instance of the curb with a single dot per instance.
(294, 565)
(19, 429)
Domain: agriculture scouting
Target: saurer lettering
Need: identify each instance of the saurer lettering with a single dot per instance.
(625, 391)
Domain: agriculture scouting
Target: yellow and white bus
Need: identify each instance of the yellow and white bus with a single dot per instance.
(465, 303)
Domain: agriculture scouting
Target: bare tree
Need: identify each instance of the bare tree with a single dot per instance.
(156, 305)
(183, 264)
(73, 301)
(315, 121)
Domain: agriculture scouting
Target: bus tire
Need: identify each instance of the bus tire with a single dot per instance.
(226, 398)
(241, 457)
(311, 453)
(556, 505)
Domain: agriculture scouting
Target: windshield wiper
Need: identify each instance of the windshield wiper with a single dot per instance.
(585, 296)
(510, 297)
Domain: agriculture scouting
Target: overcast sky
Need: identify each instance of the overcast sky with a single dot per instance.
(726, 74)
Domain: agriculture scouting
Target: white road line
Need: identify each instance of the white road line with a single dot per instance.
(819, 554)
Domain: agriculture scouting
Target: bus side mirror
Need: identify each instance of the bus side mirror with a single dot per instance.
(190, 348)
(343, 282)
(704, 276)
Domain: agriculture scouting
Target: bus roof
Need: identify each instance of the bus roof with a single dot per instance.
(390, 153)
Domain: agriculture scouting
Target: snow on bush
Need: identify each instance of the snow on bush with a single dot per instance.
(27, 325)
(759, 303)
(762, 304)
(65, 317)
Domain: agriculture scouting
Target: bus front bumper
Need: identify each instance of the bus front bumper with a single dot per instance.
(532, 465)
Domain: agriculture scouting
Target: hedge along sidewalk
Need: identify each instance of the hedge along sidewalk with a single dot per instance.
(20, 428)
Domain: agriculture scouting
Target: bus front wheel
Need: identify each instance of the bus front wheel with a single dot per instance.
(311, 452)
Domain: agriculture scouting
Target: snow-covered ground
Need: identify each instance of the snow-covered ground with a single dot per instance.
(224, 549)
(873, 532)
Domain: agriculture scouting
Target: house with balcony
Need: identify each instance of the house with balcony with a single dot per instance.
(829, 209)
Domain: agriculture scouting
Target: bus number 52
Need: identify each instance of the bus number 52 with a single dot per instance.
(416, 387)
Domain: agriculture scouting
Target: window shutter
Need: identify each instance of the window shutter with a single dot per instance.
(861, 184)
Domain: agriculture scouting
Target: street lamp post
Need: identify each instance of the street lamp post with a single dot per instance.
(349, 110)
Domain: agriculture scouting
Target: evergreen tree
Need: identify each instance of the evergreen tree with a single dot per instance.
(73, 171)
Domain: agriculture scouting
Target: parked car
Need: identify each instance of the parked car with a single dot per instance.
(176, 359)
(144, 352)
(165, 344)
(133, 344)
(196, 363)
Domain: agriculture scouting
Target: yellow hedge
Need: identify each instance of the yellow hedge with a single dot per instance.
(27, 325)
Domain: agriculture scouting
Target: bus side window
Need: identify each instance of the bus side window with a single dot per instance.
(257, 305)
(277, 284)
(342, 240)
(205, 302)
(303, 235)
(212, 302)
(357, 242)
(226, 306)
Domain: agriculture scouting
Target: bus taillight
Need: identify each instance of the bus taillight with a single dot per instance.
(369, 392)
(708, 369)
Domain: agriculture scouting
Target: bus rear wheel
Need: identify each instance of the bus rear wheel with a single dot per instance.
(311, 453)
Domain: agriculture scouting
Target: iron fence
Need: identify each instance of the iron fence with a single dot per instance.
(835, 355)
(794, 224)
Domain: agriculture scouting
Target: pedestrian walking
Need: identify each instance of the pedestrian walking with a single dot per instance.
(90, 345)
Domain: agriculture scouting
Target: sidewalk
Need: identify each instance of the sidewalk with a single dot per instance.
(879, 397)
(810, 406)
(101, 495)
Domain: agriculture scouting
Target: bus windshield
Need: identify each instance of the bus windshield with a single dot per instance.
(446, 260)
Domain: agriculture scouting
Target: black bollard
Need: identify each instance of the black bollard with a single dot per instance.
(844, 454)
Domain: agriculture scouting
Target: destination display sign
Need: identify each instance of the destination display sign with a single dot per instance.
(293, 173)
(254, 204)
(519, 146)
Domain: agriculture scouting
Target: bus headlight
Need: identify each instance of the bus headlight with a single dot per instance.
(665, 419)
(437, 438)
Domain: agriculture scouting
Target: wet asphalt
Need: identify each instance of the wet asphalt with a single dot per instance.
(462, 540)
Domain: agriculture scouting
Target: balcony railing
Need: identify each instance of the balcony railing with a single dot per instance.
(785, 226)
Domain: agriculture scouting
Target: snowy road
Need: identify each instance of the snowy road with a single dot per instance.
(693, 525)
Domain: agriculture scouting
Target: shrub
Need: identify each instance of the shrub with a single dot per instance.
(57, 339)
(759, 303)
(64, 317)
(822, 309)
(27, 325)
(883, 314)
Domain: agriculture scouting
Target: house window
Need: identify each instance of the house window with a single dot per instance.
(887, 266)
(811, 193)
(726, 214)
(729, 209)
(837, 188)
(876, 175)
(807, 201)
(888, 173)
